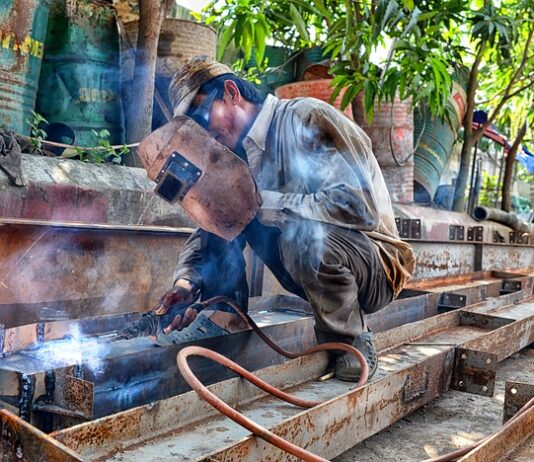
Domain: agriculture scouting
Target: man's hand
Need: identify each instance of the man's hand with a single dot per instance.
(183, 293)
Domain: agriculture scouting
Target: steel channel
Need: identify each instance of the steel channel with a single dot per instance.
(330, 437)
(357, 414)
(514, 442)
(22, 442)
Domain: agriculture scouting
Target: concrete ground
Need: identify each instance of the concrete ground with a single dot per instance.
(452, 421)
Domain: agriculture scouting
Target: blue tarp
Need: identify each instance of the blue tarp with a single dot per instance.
(524, 156)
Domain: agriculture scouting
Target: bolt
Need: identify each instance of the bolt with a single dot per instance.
(461, 383)
(484, 388)
(464, 356)
(488, 361)
(513, 391)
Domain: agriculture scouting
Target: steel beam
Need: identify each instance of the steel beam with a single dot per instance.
(410, 375)
(65, 271)
(22, 442)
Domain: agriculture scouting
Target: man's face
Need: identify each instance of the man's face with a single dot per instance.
(225, 119)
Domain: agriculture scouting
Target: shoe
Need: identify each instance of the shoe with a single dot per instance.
(348, 367)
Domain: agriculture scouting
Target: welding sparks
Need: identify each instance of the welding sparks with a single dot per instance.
(75, 349)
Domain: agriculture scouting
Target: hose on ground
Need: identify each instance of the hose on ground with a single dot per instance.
(236, 416)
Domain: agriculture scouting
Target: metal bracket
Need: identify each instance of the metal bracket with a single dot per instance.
(516, 395)
(70, 397)
(409, 228)
(517, 237)
(510, 285)
(449, 301)
(456, 232)
(474, 372)
(497, 237)
(475, 233)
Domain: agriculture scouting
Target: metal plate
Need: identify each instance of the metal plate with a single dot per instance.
(474, 372)
(516, 395)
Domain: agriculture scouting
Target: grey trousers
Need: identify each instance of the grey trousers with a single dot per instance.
(337, 270)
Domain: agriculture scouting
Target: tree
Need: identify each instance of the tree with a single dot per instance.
(502, 39)
(151, 15)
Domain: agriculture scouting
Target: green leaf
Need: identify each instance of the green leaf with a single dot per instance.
(299, 23)
(259, 43)
(349, 95)
(224, 39)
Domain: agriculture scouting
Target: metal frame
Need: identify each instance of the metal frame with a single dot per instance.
(418, 362)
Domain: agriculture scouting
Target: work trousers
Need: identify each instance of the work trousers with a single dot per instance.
(338, 271)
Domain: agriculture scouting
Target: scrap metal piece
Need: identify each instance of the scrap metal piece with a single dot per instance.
(474, 372)
(71, 397)
(22, 442)
(516, 395)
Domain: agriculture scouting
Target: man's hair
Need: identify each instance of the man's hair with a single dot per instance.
(248, 90)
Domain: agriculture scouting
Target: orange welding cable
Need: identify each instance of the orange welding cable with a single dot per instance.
(454, 455)
(244, 421)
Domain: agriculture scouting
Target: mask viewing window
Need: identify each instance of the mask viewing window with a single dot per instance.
(176, 178)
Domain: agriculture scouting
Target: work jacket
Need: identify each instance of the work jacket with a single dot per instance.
(312, 162)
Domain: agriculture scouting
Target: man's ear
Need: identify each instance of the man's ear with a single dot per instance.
(232, 92)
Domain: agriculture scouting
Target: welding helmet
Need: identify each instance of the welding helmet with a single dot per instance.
(213, 185)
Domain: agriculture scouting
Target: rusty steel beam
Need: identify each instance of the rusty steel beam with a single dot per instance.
(67, 271)
(22, 442)
(410, 374)
(515, 442)
(135, 372)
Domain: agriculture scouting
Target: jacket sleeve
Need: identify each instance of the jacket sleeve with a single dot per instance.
(329, 155)
(190, 260)
(212, 263)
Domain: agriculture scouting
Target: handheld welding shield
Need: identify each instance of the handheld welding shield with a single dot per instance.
(213, 185)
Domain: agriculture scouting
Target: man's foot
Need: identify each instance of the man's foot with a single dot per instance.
(348, 368)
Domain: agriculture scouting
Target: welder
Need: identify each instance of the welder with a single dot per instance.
(325, 227)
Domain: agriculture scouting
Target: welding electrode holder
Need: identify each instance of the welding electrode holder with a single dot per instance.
(151, 324)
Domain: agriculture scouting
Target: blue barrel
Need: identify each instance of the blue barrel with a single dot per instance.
(80, 75)
(435, 137)
(22, 35)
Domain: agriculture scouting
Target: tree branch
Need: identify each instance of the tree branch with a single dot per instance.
(478, 133)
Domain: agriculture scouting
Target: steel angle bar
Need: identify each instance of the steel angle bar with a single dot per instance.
(69, 396)
(514, 442)
(22, 442)
(516, 395)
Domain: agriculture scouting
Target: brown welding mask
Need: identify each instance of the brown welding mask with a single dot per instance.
(213, 185)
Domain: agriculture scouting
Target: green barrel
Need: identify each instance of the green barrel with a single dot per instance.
(22, 35)
(434, 138)
(281, 67)
(80, 76)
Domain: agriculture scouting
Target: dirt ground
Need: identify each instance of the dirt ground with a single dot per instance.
(454, 420)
